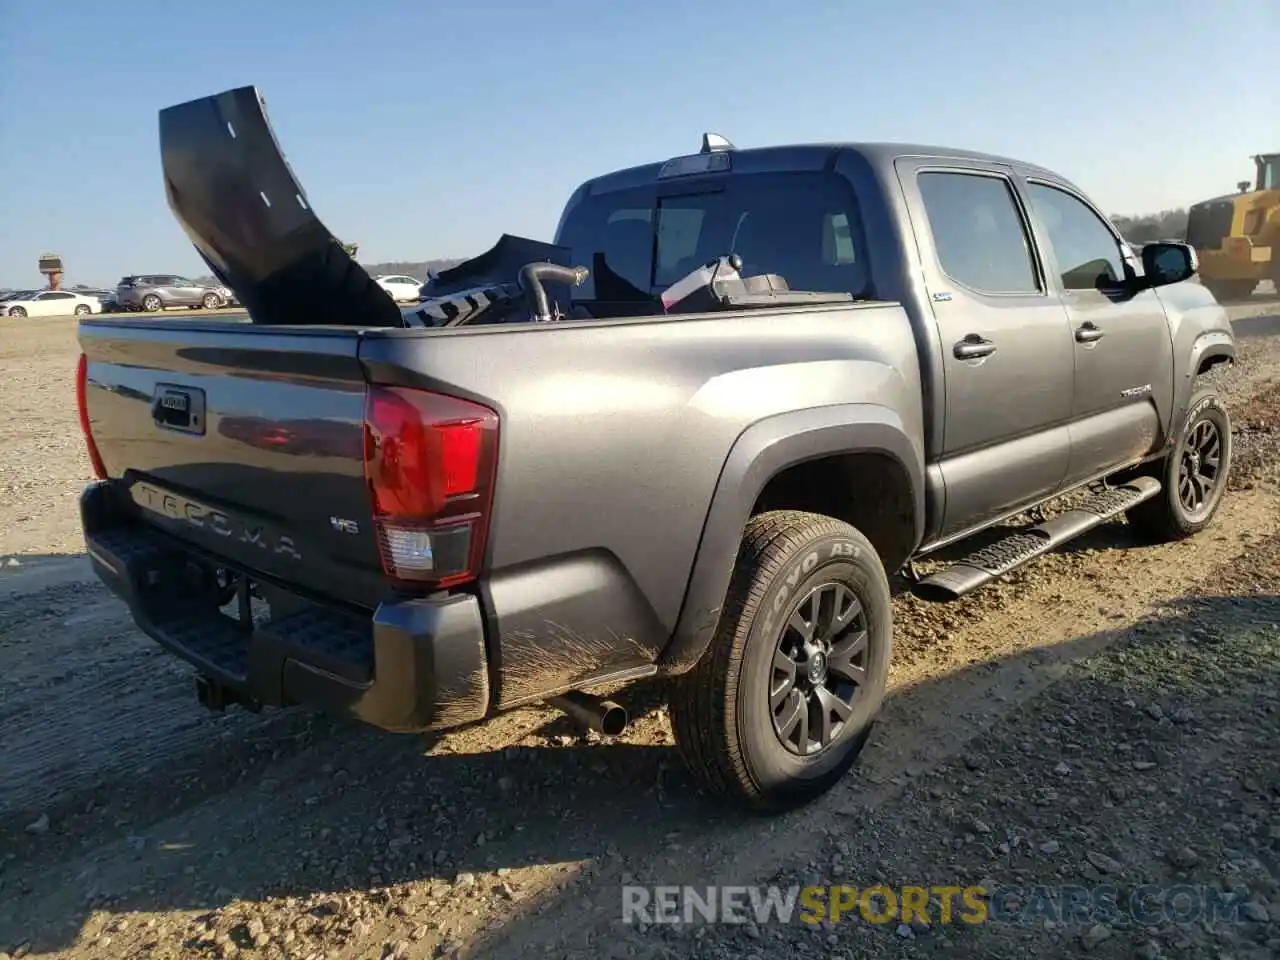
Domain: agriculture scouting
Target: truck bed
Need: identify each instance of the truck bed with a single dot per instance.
(612, 440)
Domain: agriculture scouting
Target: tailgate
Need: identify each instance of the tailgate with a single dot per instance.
(243, 442)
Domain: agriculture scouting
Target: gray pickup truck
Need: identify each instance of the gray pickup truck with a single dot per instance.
(766, 381)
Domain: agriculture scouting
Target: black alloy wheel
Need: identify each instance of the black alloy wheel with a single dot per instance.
(819, 666)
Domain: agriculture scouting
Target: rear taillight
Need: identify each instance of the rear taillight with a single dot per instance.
(82, 384)
(429, 460)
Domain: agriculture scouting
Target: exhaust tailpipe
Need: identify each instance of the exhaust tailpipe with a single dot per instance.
(602, 716)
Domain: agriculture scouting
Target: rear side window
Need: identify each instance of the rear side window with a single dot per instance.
(978, 232)
(801, 226)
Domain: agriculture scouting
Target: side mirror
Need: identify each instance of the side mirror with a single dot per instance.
(1168, 261)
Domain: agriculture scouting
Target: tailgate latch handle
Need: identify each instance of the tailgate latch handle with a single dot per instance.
(175, 407)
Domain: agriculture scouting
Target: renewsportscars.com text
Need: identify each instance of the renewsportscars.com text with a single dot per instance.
(934, 904)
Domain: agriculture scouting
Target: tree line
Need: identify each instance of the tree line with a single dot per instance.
(1165, 225)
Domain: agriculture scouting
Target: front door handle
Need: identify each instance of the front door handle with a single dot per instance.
(973, 347)
(1088, 333)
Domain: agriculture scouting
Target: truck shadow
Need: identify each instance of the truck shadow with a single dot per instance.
(314, 809)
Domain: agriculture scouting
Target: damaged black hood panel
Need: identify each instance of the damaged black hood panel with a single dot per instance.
(501, 263)
(234, 194)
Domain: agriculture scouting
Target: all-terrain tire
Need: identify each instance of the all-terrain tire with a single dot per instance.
(720, 709)
(1168, 516)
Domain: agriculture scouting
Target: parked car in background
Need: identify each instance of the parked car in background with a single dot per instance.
(402, 289)
(105, 297)
(154, 292)
(50, 303)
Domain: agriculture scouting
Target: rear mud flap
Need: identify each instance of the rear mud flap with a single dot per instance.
(234, 194)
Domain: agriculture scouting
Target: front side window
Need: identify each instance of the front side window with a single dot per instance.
(800, 226)
(978, 232)
(1088, 252)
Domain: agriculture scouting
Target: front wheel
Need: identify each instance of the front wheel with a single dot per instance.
(17, 312)
(151, 303)
(780, 705)
(1193, 476)
(212, 301)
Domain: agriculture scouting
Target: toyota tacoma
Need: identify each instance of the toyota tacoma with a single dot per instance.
(693, 437)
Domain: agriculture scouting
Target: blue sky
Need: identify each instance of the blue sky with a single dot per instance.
(425, 129)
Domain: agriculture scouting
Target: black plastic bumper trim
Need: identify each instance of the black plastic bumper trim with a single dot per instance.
(413, 664)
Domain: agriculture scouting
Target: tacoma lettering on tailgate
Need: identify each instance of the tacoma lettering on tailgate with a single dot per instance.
(173, 506)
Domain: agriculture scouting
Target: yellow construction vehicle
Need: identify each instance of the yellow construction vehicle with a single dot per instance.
(1237, 237)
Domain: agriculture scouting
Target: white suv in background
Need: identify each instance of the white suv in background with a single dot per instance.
(402, 289)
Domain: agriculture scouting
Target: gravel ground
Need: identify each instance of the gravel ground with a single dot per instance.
(133, 824)
(1152, 763)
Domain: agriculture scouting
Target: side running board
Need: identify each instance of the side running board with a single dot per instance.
(1004, 556)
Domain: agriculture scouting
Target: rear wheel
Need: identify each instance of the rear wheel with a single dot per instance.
(151, 303)
(83, 310)
(17, 312)
(1194, 475)
(779, 707)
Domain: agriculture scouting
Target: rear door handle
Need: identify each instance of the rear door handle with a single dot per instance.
(1088, 333)
(973, 347)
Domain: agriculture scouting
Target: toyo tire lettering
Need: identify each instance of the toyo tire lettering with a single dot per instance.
(798, 572)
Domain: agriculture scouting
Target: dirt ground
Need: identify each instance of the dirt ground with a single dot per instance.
(1110, 714)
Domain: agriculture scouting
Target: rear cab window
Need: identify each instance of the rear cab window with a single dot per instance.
(802, 226)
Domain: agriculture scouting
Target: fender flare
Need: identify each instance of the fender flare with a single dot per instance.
(1211, 343)
(761, 452)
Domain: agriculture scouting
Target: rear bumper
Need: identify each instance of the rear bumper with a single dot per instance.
(411, 665)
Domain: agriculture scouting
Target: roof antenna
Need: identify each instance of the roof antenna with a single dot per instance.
(714, 143)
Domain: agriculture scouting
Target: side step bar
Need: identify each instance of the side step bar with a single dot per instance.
(1004, 556)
